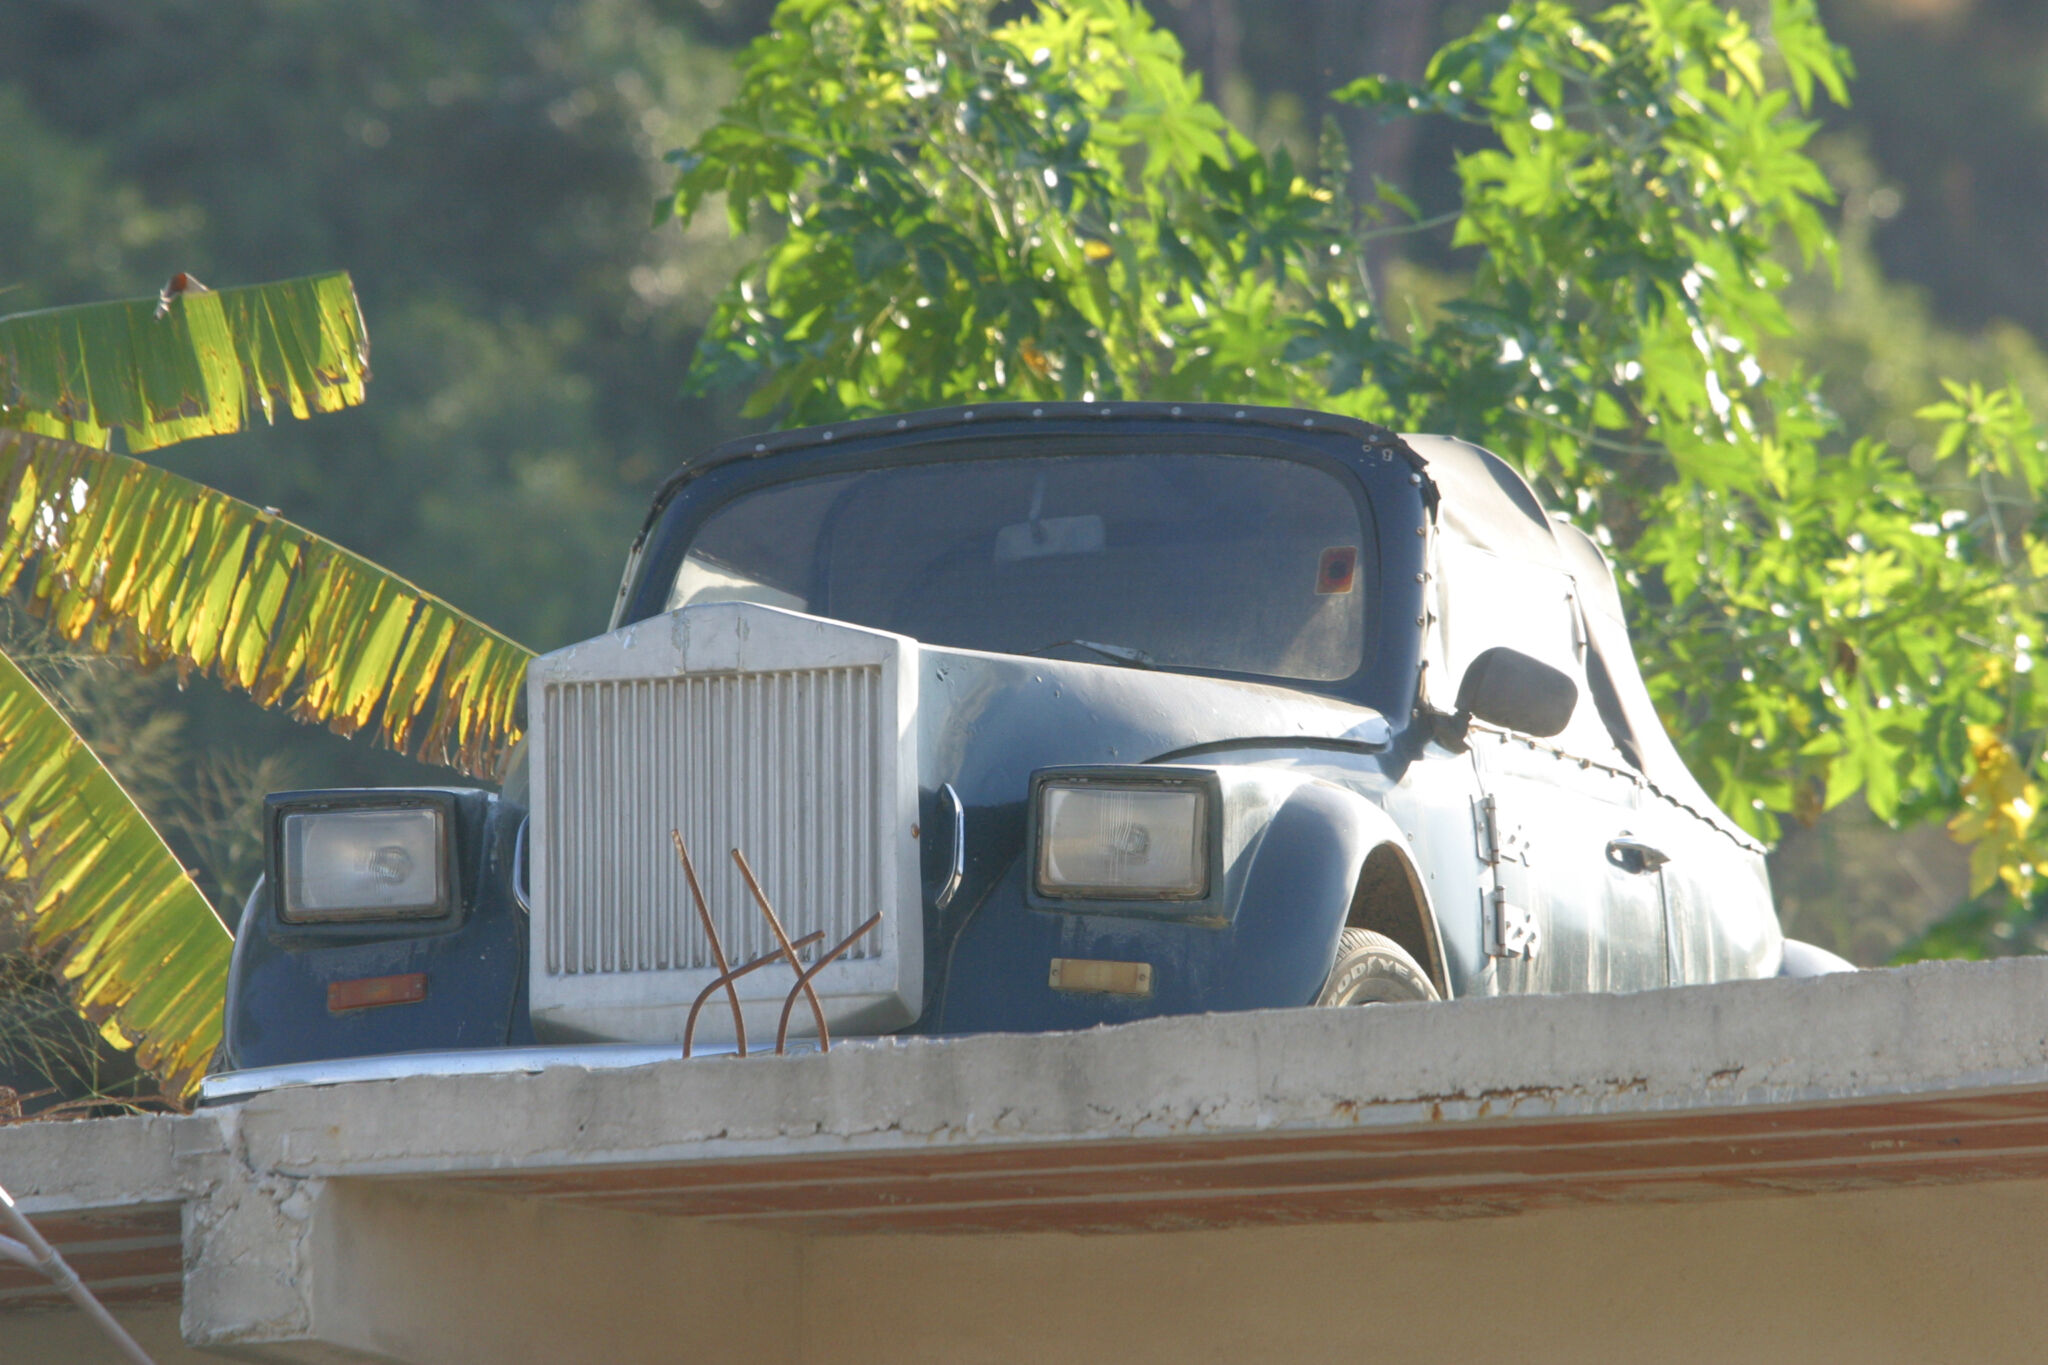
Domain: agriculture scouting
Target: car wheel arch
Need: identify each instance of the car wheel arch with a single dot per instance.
(1387, 891)
(1320, 851)
(1391, 899)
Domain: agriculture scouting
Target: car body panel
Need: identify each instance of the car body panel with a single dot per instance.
(471, 968)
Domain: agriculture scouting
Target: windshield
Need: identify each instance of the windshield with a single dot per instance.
(1229, 563)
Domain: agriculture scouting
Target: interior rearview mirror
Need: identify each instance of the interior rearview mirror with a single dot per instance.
(1507, 688)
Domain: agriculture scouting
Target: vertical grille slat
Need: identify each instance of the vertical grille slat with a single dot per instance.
(551, 704)
(785, 765)
(590, 780)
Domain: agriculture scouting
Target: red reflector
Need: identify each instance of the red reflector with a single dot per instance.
(376, 990)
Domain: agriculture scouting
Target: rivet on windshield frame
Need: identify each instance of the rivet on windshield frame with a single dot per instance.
(1240, 412)
(1421, 577)
(1308, 421)
(1415, 479)
(760, 449)
(1418, 620)
(902, 422)
(1038, 412)
(1176, 412)
(967, 416)
(1419, 531)
(1105, 412)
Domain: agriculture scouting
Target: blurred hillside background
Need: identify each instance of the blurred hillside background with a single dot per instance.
(487, 174)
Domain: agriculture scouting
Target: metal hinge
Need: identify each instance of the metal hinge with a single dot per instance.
(1511, 931)
(1497, 843)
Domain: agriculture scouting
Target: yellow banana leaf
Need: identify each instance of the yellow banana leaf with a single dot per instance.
(96, 887)
(197, 366)
(130, 557)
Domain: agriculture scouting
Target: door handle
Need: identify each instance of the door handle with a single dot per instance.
(1631, 854)
(521, 892)
(956, 865)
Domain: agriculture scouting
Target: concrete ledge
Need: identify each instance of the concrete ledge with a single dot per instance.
(1921, 1031)
(1487, 1107)
(304, 1208)
(107, 1193)
(100, 1164)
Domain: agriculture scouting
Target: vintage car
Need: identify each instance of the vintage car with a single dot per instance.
(1031, 717)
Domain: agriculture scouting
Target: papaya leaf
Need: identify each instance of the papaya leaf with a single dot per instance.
(99, 892)
(198, 365)
(119, 552)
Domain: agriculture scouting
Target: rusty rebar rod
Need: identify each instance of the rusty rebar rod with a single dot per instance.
(803, 982)
(690, 1025)
(739, 1023)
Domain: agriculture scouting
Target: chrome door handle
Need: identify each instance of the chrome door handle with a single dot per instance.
(957, 869)
(520, 891)
(1631, 854)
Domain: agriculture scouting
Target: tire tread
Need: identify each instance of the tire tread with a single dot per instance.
(1371, 964)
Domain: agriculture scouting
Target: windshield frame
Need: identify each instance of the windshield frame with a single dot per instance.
(700, 492)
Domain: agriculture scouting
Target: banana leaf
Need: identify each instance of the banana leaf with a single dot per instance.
(198, 365)
(98, 890)
(134, 559)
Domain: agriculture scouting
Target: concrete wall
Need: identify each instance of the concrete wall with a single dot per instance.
(1845, 1170)
(1918, 1275)
(1896, 1275)
(59, 1336)
(1893, 1275)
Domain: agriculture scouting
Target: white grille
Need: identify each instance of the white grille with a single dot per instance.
(786, 736)
(786, 766)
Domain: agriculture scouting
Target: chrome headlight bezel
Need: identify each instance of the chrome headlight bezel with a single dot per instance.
(1202, 901)
(367, 920)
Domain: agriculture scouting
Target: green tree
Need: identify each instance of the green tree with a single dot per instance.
(133, 559)
(957, 206)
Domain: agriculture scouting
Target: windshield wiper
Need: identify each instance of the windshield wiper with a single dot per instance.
(1122, 654)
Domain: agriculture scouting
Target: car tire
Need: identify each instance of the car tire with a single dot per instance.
(1372, 969)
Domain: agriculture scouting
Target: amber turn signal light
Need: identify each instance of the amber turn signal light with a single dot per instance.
(368, 991)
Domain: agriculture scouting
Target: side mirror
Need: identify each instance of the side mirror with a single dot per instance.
(1507, 688)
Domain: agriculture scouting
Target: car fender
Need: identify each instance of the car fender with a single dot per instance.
(1295, 849)
(470, 975)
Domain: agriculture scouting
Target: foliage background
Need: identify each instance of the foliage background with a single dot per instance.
(485, 173)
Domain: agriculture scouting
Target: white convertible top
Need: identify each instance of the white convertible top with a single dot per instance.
(1485, 504)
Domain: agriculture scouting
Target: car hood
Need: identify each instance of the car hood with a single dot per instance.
(986, 721)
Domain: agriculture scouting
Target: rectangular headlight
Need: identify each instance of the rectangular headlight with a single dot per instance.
(364, 865)
(1114, 841)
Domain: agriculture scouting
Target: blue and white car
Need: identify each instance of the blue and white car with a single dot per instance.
(1105, 711)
